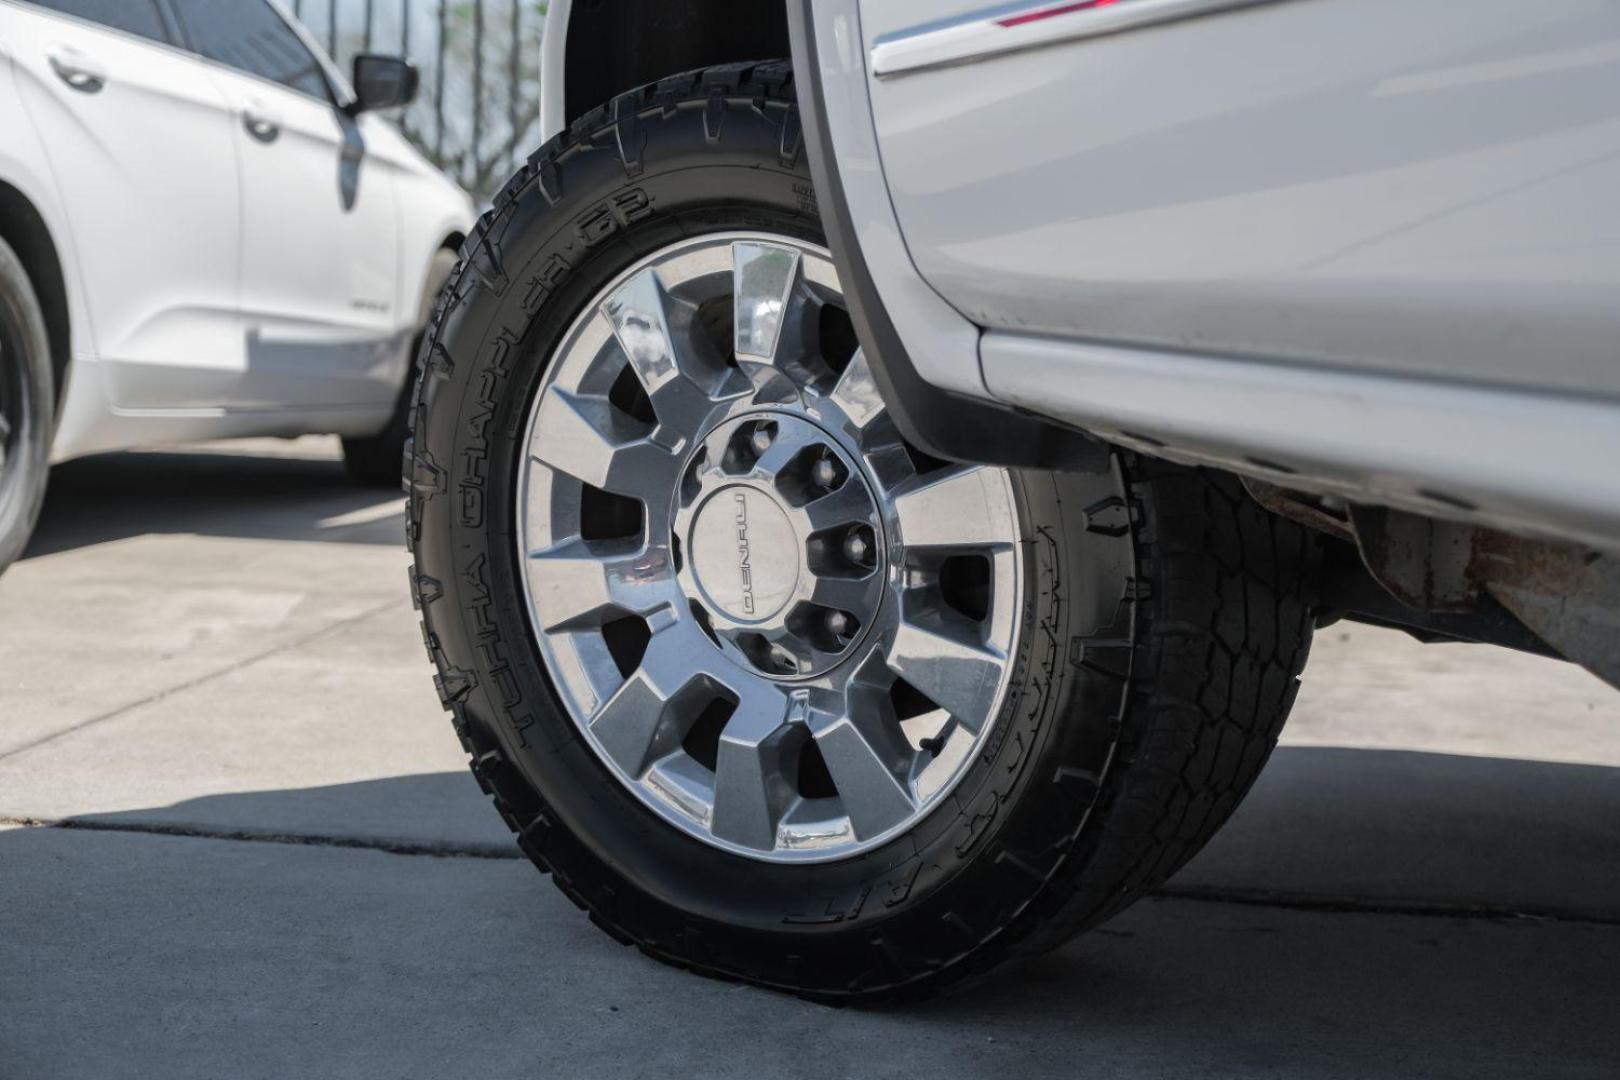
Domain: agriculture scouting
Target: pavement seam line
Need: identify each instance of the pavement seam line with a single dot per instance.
(390, 847)
(200, 680)
(1363, 905)
(1286, 901)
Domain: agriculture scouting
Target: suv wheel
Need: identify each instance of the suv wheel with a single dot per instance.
(770, 693)
(27, 406)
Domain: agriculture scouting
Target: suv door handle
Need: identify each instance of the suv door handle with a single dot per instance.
(77, 70)
(263, 128)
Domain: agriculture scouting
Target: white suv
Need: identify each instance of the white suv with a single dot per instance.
(204, 233)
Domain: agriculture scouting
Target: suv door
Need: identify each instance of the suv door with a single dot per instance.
(1419, 188)
(320, 256)
(141, 147)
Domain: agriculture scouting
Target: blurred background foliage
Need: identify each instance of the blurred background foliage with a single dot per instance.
(478, 115)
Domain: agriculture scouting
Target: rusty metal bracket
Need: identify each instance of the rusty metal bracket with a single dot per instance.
(1461, 581)
(1570, 597)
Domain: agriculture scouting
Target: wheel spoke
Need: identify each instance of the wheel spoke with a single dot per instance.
(762, 278)
(750, 791)
(842, 593)
(873, 794)
(778, 456)
(578, 584)
(857, 392)
(589, 440)
(647, 716)
(656, 333)
(846, 506)
(641, 721)
(950, 666)
(963, 507)
(627, 724)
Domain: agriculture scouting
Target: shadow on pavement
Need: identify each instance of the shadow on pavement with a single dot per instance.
(117, 496)
(179, 956)
(441, 812)
(1369, 827)
(1446, 830)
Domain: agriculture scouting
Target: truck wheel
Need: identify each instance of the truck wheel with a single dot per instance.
(27, 407)
(379, 460)
(772, 695)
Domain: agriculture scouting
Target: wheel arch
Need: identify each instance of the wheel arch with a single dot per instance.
(589, 59)
(23, 228)
(593, 58)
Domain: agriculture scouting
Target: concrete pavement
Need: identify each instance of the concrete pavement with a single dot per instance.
(273, 863)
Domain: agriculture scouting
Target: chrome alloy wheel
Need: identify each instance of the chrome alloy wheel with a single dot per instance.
(781, 628)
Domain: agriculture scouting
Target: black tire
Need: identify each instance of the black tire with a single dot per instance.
(27, 407)
(379, 460)
(1169, 617)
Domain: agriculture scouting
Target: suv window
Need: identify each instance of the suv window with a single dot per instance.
(138, 17)
(250, 36)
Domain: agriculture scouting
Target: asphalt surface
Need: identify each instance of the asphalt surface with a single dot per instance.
(237, 838)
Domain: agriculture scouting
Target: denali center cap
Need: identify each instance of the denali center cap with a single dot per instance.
(745, 553)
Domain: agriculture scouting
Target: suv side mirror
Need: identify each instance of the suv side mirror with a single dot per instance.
(383, 82)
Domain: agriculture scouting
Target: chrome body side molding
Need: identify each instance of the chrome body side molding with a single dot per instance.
(1023, 25)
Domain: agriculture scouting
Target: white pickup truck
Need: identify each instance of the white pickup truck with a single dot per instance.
(881, 462)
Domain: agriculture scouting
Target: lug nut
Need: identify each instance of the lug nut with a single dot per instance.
(839, 625)
(762, 439)
(825, 474)
(856, 549)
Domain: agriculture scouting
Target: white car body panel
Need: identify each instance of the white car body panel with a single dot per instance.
(927, 324)
(1424, 189)
(165, 290)
(319, 290)
(24, 165)
(212, 293)
(1285, 241)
